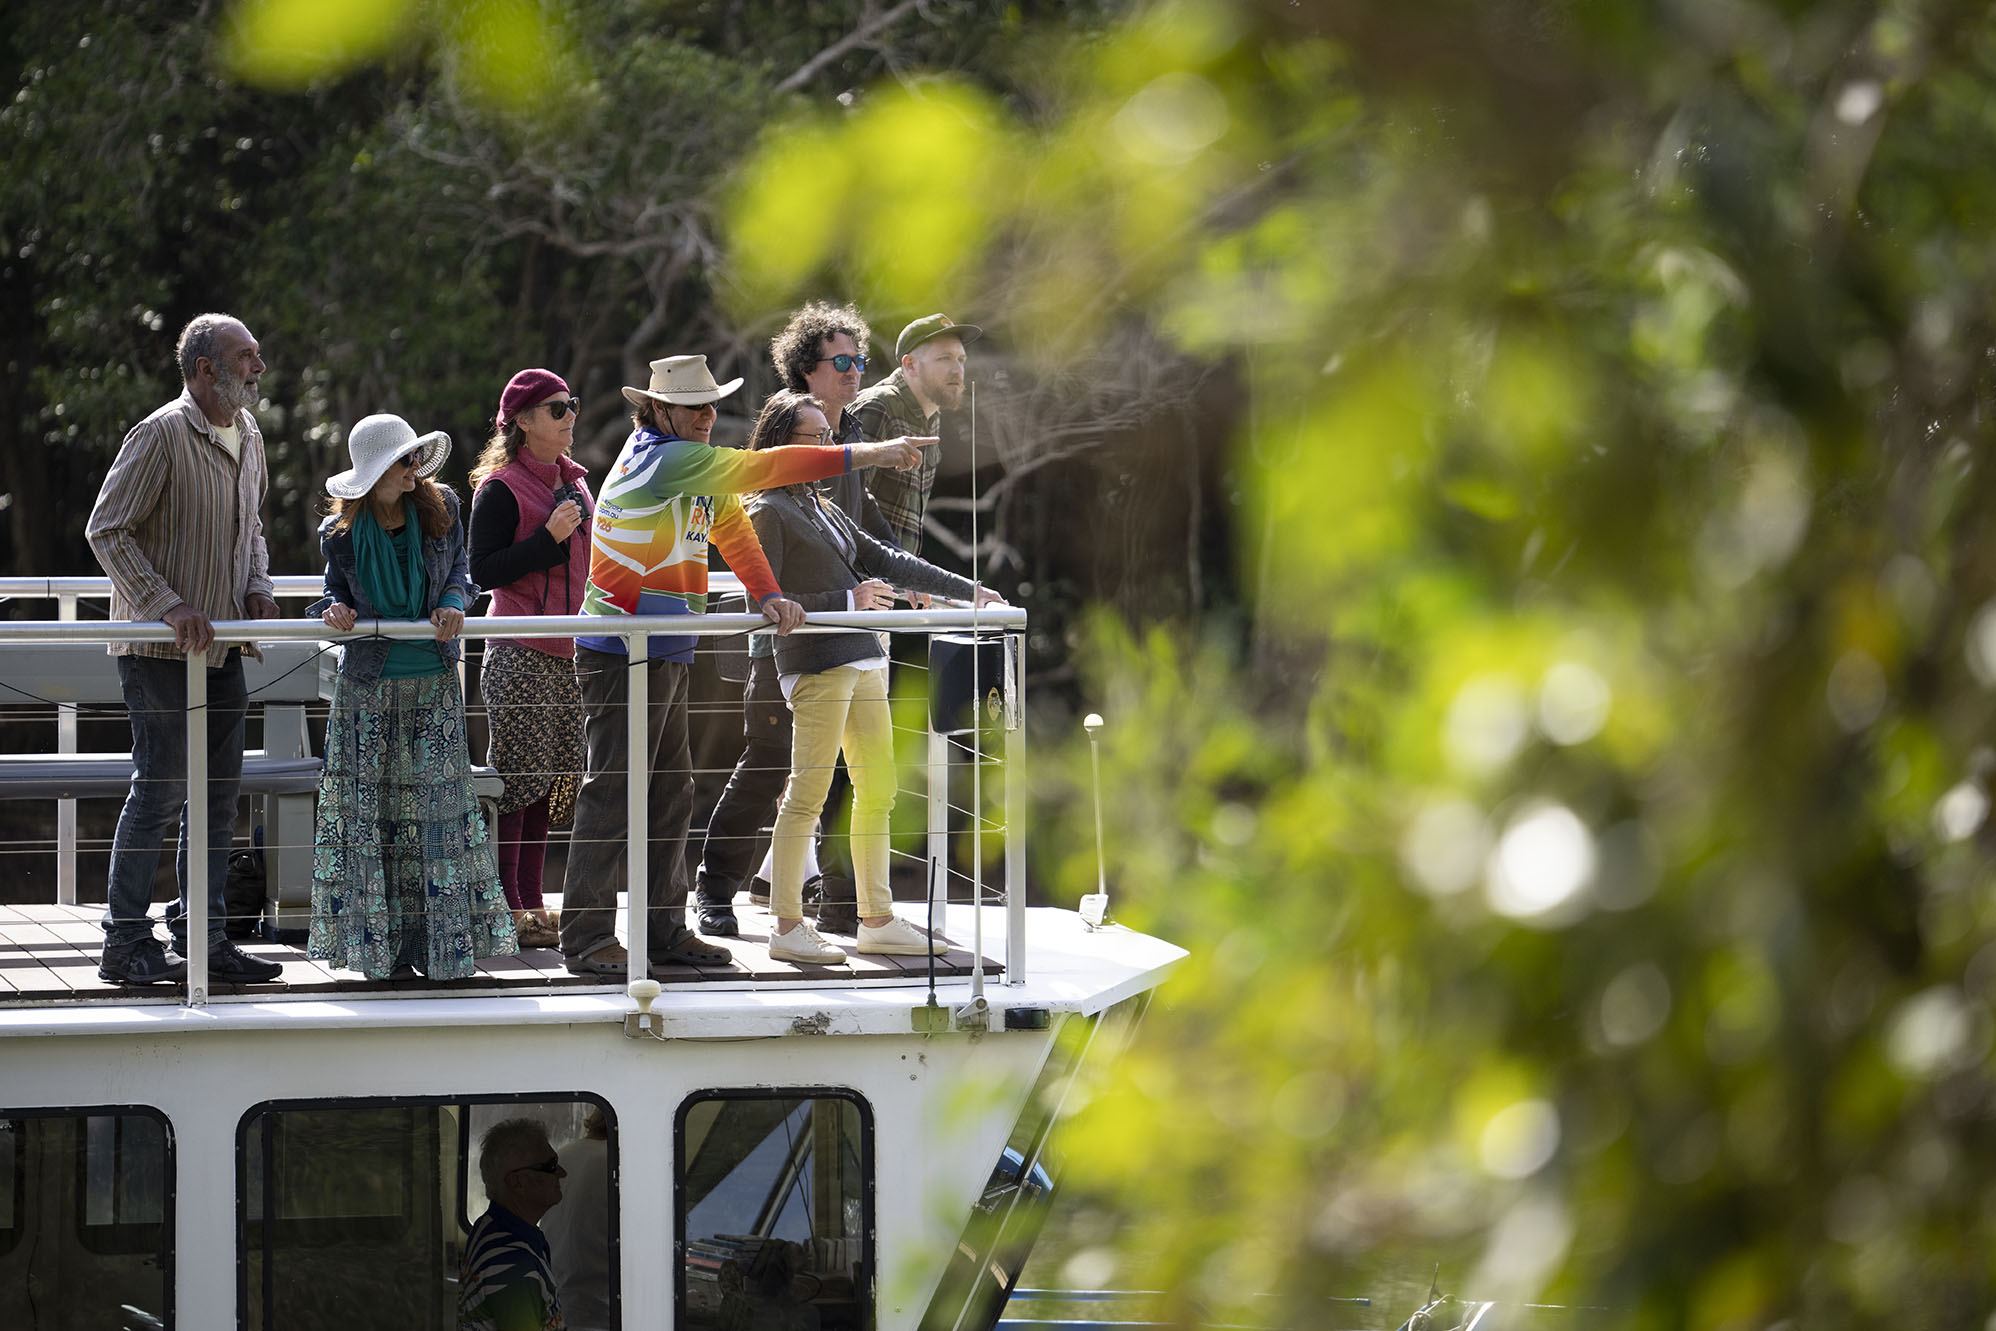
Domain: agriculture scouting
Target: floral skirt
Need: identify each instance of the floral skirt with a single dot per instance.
(534, 708)
(403, 870)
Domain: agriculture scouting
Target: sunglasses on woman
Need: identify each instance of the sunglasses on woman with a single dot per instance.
(842, 362)
(415, 459)
(561, 406)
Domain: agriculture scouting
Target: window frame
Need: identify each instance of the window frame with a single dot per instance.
(455, 1219)
(165, 1251)
(119, 1239)
(863, 1290)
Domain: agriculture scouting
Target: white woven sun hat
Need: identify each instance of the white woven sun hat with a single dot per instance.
(375, 444)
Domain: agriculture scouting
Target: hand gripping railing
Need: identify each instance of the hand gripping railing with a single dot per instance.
(636, 631)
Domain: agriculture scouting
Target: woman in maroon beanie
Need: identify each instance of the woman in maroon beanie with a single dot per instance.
(530, 549)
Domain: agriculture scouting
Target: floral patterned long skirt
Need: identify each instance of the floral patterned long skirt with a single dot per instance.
(403, 869)
(534, 707)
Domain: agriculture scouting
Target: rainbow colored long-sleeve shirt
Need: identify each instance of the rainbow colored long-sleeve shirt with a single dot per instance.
(663, 502)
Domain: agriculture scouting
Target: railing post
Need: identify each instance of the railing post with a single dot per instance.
(1015, 808)
(65, 810)
(938, 876)
(196, 884)
(637, 802)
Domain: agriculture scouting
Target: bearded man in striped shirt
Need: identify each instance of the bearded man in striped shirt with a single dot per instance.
(178, 530)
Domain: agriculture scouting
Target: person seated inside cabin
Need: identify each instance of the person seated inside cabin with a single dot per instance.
(578, 1231)
(506, 1284)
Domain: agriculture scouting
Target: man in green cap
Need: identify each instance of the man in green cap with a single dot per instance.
(909, 403)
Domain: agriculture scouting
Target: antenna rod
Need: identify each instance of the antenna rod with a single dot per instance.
(1095, 906)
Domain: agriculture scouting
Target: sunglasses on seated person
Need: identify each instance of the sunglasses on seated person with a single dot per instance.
(842, 362)
(547, 1166)
(558, 408)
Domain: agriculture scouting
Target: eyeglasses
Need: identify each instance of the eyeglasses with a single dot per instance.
(415, 459)
(559, 408)
(823, 436)
(843, 362)
(551, 1165)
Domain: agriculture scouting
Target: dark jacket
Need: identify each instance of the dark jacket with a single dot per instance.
(443, 560)
(795, 529)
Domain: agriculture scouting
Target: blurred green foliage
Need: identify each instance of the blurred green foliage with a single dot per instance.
(1581, 832)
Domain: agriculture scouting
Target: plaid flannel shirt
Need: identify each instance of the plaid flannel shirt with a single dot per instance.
(888, 410)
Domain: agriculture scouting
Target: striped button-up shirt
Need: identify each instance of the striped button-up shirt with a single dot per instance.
(888, 410)
(177, 523)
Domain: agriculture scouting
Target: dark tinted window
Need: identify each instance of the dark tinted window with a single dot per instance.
(86, 1217)
(355, 1214)
(775, 1206)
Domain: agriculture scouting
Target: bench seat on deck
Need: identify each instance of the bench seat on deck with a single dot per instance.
(282, 778)
(104, 776)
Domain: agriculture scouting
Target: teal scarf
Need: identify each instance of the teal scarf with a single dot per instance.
(391, 564)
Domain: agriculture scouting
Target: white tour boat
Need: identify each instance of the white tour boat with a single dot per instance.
(853, 1147)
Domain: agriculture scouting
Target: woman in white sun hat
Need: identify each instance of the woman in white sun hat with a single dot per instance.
(404, 879)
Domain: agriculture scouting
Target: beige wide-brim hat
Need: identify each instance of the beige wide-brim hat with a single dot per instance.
(683, 381)
(375, 444)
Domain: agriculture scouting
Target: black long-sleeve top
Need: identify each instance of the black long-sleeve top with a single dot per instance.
(496, 558)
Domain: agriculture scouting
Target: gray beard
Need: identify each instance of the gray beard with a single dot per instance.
(233, 394)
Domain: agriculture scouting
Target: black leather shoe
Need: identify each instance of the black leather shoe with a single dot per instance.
(837, 904)
(144, 962)
(229, 964)
(719, 922)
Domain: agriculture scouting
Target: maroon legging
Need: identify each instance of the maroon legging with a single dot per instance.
(523, 849)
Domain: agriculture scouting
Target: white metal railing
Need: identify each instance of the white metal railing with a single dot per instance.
(636, 631)
(70, 592)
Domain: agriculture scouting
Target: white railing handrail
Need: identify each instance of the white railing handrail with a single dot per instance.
(289, 585)
(636, 631)
(991, 618)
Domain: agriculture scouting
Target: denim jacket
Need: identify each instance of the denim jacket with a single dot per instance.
(444, 560)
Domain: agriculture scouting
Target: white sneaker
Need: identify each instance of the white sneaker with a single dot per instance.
(897, 937)
(803, 944)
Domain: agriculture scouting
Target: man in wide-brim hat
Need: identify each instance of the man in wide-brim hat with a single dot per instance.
(669, 495)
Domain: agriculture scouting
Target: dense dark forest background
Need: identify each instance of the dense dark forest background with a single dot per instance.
(399, 244)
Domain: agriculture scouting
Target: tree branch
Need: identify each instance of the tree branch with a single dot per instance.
(859, 36)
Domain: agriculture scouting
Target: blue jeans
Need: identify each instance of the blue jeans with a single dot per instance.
(156, 700)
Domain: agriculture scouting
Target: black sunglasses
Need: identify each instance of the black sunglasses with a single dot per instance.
(842, 362)
(558, 408)
(415, 459)
(550, 1165)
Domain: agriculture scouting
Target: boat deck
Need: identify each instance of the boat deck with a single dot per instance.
(49, 953)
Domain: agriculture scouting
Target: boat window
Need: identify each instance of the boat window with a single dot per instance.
(357, 1213)
(13, 1185)
(774, 1199)
(124, 1182)
(86, 1218)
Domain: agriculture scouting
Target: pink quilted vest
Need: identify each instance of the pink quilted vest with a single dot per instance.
(552, 591)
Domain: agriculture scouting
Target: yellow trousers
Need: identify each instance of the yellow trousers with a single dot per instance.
(841, 708)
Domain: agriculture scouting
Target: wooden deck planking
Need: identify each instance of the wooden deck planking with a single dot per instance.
(50, 953)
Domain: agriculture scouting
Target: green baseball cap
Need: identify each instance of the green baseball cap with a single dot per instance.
(929, 326)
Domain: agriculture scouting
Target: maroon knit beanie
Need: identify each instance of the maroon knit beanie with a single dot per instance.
(526, 388)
